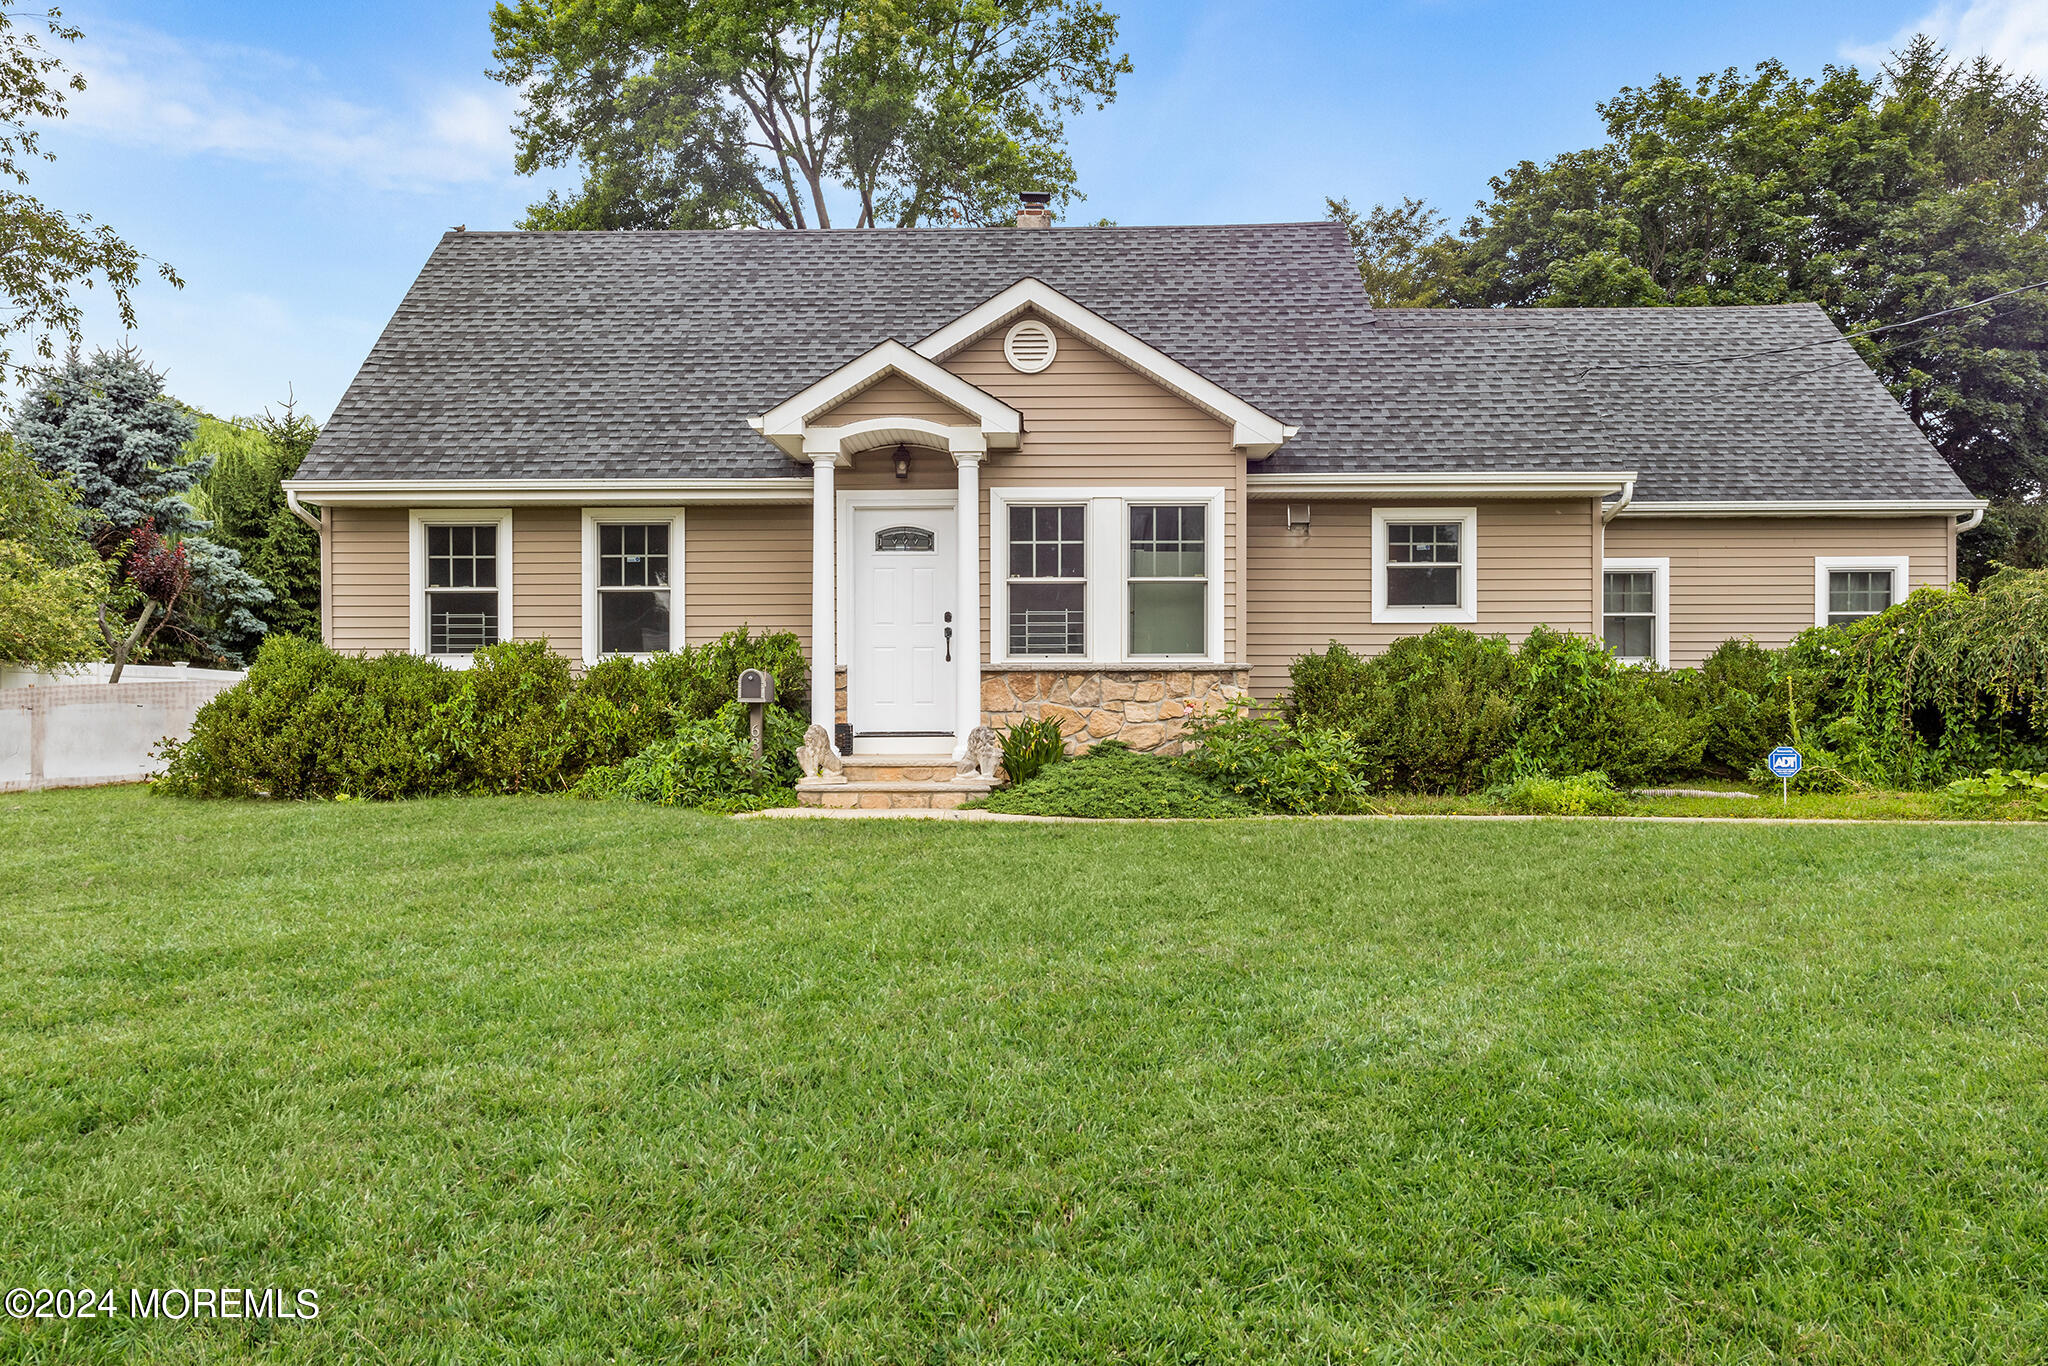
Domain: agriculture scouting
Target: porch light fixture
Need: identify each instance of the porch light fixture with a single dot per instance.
(902, 463)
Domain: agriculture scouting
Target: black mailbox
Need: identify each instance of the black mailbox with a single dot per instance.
(757, 686)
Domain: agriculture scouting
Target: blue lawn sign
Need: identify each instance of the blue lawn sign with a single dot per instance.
(1786, 763)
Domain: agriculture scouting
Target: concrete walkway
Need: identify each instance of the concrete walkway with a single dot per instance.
(913, 814)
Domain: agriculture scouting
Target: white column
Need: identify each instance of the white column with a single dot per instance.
(824, 596)
(967, 616)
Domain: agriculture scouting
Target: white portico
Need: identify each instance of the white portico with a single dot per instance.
(896, 574)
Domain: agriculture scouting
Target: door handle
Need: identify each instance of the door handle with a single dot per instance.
(949, 645)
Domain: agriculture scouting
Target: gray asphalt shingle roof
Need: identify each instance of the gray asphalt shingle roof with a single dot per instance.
(640, 355)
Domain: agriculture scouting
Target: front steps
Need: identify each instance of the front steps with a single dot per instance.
(880, 782)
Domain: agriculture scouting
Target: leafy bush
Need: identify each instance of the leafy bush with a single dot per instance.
(1998, 787)
(1029, 746)
(702, 765)
(1431, 714)
(1580, 710)
(1317, 771)
(1582, 794)
(309, 722)
(1114, 781)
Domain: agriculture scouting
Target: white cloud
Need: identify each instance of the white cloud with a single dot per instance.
(2013, 33)
(150, 90)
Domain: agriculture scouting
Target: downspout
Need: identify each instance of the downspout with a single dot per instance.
(1971, 522)
(291, 500)
(1608, 514)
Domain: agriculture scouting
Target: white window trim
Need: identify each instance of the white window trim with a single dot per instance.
(419, 519)
(1824, 565)
(1108, 594)
(1661, 604)
(593, 518)
(1467, 609)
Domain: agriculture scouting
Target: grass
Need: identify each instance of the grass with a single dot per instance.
(539, 1080)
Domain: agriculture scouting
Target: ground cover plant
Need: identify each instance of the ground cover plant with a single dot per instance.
(538, 1079)
(1112, 781)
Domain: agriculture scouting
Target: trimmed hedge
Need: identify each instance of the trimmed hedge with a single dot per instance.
(309, 722)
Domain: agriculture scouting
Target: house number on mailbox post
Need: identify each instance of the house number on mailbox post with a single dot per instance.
(757, 690)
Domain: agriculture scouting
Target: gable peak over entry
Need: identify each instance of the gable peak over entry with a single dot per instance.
(789, 425)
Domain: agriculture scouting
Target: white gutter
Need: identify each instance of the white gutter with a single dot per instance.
(1628, 493)
(291, 500)
(1974, 520)
(1813, 507)
(500, 492)
(1502, 483)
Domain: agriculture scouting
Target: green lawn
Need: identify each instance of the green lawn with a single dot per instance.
(537, 1080)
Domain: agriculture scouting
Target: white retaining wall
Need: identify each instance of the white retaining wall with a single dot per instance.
(57, 732)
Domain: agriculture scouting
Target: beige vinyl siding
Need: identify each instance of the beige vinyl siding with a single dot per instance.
(368, 565)
(547, 577)
(1536, 567)
(930, 468)
(893, 396)
(746, 565)
(1753, 576)
(1090, 420)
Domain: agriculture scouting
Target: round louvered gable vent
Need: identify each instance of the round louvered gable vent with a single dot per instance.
(1029, 346)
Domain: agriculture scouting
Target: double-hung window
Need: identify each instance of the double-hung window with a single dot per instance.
(1847, 590)
(461, 577)
(1169, 578)
(1048, 579)
(1108, 575)
(1635, 609)
(1425, 564)
(632, 561)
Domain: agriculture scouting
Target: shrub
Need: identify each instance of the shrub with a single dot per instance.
(1581, 710)
(1029, 746)
(703, 765)
(309, 722)
(1317, 771)
(1582, 794)
(1113, 781)
(1431, 714)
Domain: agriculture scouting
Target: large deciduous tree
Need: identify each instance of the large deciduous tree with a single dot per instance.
(1881, 198)
(44, 253)
(721, 113)
(106, 427)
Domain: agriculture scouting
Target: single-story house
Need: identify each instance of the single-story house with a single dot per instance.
(1110, 475)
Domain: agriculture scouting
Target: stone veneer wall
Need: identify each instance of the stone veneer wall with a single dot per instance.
(1147, 709)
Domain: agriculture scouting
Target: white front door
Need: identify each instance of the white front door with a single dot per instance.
(900, 674)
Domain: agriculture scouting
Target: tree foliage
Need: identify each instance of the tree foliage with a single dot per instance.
(50, 580)
(242, 497)
(721, 113)
(106, 427)
(1882, 198)
(44, 253)
(1393, 250)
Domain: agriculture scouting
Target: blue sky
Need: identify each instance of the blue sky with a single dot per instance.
(296, 162)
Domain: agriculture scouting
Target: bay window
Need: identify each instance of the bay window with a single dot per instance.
(1109, 576)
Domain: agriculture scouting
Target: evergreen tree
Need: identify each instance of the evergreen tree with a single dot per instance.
(106, 427)
(243, 497)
